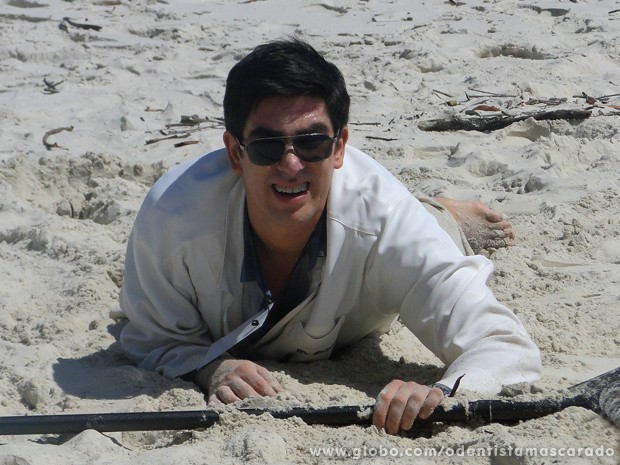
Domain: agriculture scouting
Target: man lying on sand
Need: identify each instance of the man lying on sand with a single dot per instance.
(288, 244)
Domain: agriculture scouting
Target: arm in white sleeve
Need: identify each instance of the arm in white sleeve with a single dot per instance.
(444, 299)
(474, 334)
(173, 292)
(165, 332)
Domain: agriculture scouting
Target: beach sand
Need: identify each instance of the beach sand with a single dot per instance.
(88, 90)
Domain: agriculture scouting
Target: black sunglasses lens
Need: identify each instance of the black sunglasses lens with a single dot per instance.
(266, 152)
(313, 148)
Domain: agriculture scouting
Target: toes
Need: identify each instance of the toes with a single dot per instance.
(503, 230)
(493, 216)
(496, 239)
(510, 236)
(501, 225)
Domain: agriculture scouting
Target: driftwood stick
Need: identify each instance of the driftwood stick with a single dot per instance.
(51, 132)
(457, 122)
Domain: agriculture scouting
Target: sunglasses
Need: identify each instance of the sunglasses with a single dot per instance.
(307, 147)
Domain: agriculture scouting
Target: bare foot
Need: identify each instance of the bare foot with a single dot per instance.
(485, 229)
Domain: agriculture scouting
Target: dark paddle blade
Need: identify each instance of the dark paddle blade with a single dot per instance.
(593, 388)
(505, 410)
(587, 394)
(610, 402)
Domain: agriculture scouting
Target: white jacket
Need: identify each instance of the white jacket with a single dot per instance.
(386, 258)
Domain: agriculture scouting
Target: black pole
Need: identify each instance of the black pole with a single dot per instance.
(106, 422)
(483, 411)
(585, 395)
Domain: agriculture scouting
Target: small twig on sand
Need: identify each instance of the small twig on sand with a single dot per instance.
(457, 122)
(442, 93)
(175, 136)
(342, 10)
(169, 131)
(195, 120)
(487, 94)
(547, 101)
(51, 132)
(93, 27)
(387, 139)
(192, 120)
(190, 124)
(592, 100)
(50, 87)
(185, 142)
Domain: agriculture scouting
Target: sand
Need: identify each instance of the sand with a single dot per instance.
(67, 202)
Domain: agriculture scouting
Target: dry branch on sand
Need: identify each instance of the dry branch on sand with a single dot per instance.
(492, 123)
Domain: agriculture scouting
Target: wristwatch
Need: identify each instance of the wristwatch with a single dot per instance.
(445, 389)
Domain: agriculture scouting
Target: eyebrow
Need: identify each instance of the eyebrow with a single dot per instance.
(260, 131)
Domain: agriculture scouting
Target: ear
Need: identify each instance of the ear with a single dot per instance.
(234, 154)
(340, 147)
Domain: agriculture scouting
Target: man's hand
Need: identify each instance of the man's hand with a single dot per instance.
(230, 380)
(400, 402)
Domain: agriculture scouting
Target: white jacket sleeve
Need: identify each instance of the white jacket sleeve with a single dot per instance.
(166, 332)
(443, 298)
(173, 266)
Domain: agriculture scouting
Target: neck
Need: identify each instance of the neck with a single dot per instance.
(278, 251)
(284, 241)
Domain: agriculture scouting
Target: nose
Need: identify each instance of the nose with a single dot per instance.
(290, 161)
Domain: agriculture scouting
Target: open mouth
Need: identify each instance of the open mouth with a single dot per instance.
(293, 191)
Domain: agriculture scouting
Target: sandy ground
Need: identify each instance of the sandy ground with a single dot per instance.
(67, 201)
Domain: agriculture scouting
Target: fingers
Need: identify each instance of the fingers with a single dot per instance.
(400, 403)
(240, 379)
(223, 395)
(268, 385)
(433, 399)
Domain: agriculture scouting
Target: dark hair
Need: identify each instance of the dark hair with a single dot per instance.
(283, 68)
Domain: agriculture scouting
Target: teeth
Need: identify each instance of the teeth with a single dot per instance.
(292, 190)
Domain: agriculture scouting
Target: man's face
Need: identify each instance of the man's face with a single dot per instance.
(290, 194)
